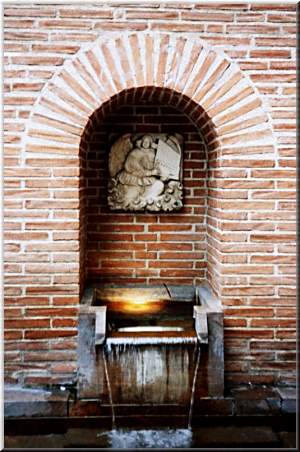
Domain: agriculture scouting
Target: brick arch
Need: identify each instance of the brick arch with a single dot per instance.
(202, 82)
(231, 112)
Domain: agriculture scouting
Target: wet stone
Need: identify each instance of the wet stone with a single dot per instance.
(287, 393)
(255, 393)
(34, 441)
(233, 436)
(215, 407)
(288, 439)
(88, 408)
(23, 402)
(252, 407)
(288, 406)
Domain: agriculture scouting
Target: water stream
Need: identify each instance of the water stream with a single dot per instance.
(113, 415)
(150, 370)
(193, 388)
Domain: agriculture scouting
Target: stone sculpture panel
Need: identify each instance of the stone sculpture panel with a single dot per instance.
(145, 172)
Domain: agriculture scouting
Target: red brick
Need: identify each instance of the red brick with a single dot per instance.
(29, 12)
(116, 26)
(52, 225)
(274, 77)
(279, 53)
(176, 27)
(251, 17)
(207, 17)
(92, 13)
(275, 238)
(273, 6)
(248, 291)
(251, 29)
(46, 334)
(170, 246)
(234, 323)
(27, 323)
(248, 312)
(145, 15)
(63, 368)
(250, 333)
(37, 60)
(170, 264)
(25, 36)
(64, 323)
(223, 6)
(27, 301)
(51, 312)
(13, 335)
(49, 356)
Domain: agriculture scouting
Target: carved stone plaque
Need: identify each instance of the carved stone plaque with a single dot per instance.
(145, 172)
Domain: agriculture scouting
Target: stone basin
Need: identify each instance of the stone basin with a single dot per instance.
(136, 343)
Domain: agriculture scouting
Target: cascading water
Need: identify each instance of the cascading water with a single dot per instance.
(140, 356)
(193, 388)
(113, 416)
(145, 359)
(156, 371)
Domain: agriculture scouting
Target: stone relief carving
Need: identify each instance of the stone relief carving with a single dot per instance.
(146, 172)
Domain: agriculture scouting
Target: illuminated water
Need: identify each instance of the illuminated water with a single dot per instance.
(151, 329)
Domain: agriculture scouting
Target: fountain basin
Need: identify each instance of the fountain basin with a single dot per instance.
(145, 341)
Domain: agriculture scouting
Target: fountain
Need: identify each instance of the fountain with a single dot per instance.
(150, 350)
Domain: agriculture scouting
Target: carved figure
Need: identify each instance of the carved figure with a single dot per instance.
(143, 173)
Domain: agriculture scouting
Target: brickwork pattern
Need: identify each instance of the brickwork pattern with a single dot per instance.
(228, 68)
(146, 248)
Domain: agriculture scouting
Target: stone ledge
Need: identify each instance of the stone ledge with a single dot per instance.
(242, 401)
(26, 402)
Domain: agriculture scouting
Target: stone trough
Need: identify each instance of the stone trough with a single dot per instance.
(160, 346)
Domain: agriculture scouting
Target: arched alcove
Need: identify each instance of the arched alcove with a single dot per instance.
(203, 83)
(145, 247)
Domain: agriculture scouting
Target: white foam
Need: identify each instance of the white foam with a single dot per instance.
(127, 340)
(159, 439)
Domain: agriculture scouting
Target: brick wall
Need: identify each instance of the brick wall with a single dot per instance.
(57, 74)
(146, 248)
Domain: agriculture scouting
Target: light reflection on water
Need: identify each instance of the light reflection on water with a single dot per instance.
(151, 329)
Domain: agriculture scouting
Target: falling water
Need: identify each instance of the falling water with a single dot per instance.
(140, 340)
(151, 371)
(113, 416)
(193, 389)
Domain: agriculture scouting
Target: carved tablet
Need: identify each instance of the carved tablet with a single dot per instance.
(145, 173)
